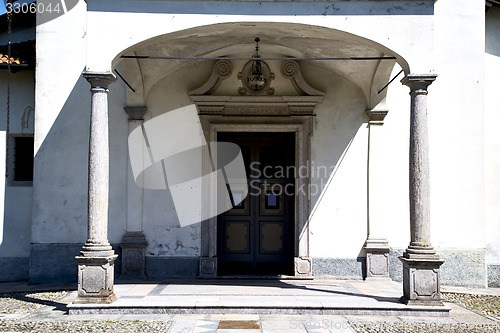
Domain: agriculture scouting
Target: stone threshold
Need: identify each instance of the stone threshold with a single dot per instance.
(425, 311)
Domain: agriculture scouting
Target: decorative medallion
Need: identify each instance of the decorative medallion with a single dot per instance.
(256, 76)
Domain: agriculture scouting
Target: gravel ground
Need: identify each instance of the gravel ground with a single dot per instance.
(487, 305)
(84, 326)
(28, 302)
(421, 327)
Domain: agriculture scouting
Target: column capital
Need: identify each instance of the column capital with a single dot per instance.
(99, 80)
(135, 112)
(418, 82)
(376, 116)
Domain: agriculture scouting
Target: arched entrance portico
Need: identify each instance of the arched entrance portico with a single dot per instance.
(370, 72)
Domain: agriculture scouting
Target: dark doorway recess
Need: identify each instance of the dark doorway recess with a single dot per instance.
(256, 236)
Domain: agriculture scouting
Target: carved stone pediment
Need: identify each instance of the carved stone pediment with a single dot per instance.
(221, 71)
(256, 104)
(291, 70)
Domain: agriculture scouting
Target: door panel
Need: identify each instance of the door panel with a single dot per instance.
(256, 237)
(237, 237)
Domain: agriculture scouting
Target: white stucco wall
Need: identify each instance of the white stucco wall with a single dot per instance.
(160, 220)
(124, 21)
(338, 220)
(456, 126)
(392, 165)
(339, 223)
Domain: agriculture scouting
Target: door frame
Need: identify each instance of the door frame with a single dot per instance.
(256, 112)
(258, 261)
(302, 126)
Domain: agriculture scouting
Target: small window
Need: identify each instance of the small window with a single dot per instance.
(21, 164)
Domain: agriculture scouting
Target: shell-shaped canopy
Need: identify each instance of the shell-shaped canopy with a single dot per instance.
(276, 40)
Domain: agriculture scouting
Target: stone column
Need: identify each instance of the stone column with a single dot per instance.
(420, 261)
(376, 245)
(96, 259)
(134, 242)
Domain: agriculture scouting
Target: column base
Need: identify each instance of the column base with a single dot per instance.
(95, 279)
(416, 302)
(420, 251)
(421, 284)
(302, 266)
(95, 300)
(134, 256)
(96, 250)
(208, 268)
(377, 258)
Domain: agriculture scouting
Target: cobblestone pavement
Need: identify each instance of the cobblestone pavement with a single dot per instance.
(90, 326)
(488, 305)
(423, 327)
(21, 303)
(46, 312)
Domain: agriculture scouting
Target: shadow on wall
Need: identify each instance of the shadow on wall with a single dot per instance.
(15, 222)
(492, 31)
(59, 225)
(60, 191)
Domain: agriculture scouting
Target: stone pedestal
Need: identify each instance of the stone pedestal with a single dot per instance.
(208, 267)
(420, 261)
(377, 258)
(134, 256)
(95, 279)
(96, 260)
(421, 281)
(302, 266)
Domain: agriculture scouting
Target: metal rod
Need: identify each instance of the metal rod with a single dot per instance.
(253, 58)
(123, 79)
(394, 78)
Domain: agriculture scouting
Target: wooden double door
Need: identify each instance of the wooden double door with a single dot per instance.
(256, 236)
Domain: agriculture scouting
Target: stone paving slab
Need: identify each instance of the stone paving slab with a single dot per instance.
(327, 297)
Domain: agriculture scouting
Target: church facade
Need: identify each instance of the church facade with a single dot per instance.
(208, 139)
